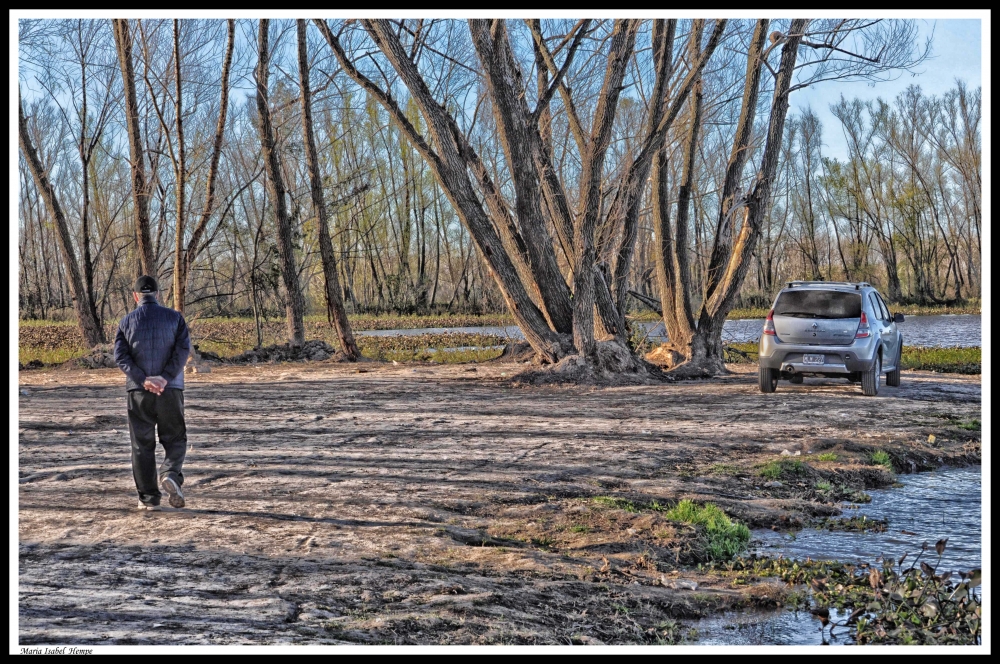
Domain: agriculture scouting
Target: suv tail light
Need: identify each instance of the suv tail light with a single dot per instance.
(863, 330)
(769, 324)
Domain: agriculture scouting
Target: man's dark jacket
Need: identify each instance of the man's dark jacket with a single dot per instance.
(152, 341)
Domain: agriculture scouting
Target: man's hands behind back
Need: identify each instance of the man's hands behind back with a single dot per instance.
(155, 384)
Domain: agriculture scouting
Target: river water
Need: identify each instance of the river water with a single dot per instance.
(941, 504)
(946, 330)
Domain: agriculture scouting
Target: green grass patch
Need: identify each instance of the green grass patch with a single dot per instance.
(740, 353)
(49, 355)
(779, 468)
(723, 469)
(579, 529)
(971, 425)
(827, 456)
(617, 503)
(881, 458)
(944, 360)
(823, 486)
(724, 538)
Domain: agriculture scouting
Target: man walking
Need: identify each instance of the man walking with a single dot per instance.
(151, 348)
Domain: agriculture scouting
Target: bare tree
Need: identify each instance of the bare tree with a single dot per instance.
(276, 188)
(334, 297)
(90, 327)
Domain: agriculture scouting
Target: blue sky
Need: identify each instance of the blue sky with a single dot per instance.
(956, 52)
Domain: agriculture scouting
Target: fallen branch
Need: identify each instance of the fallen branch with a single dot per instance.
(648, 301)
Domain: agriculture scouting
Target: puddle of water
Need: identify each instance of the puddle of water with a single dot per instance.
(945, 330)
(769, 628)
(935, 505)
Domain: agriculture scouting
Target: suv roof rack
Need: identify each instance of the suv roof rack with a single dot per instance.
(857, 285)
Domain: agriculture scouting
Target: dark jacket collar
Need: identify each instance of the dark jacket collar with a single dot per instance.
(148, 298)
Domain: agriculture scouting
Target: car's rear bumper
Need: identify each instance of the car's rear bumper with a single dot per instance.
(788, 358)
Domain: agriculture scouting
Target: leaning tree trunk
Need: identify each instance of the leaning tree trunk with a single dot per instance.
(90, 327)
(334, 297)
(452, 159)
(518, 133)
(276, 188)
(140, 195)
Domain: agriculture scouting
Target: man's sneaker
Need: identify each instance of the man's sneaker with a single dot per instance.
(147, 506)
(173, 490)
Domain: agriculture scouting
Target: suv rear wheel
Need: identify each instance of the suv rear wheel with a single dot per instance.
(892, 377)
(768, 380)
(870, 379)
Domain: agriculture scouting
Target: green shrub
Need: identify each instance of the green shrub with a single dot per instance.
(724, 538)
(778, 468)
(827, 456)
(881, 458)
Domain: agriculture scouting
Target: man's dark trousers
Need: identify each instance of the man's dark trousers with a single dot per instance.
(149, 414)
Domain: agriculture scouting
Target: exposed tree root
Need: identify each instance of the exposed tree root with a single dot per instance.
(680, 365)
(614, 365)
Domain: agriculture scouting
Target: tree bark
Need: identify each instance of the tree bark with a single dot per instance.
(672, 269)
(90, 327)
(518, 136)
(86, 152)
(180, 274)
(276, 188)
(738, 156)
(140, 194)
(620, 50)
(334, 294)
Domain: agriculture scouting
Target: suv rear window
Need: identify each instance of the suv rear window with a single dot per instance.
(818, 304)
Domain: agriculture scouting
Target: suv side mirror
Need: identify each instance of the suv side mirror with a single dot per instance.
(898, 318)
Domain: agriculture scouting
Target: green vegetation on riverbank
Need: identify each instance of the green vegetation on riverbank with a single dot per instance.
(895, 603)
(723, 537)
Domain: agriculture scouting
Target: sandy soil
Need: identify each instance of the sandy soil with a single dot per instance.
(429, 504)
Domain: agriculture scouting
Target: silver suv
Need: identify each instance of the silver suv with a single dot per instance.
(832, 329)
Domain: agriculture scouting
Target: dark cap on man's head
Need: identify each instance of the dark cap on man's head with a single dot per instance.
(145, 284)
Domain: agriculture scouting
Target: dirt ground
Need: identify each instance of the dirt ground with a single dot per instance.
(432, 504)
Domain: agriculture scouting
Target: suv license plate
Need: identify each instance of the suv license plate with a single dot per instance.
(812, 359)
